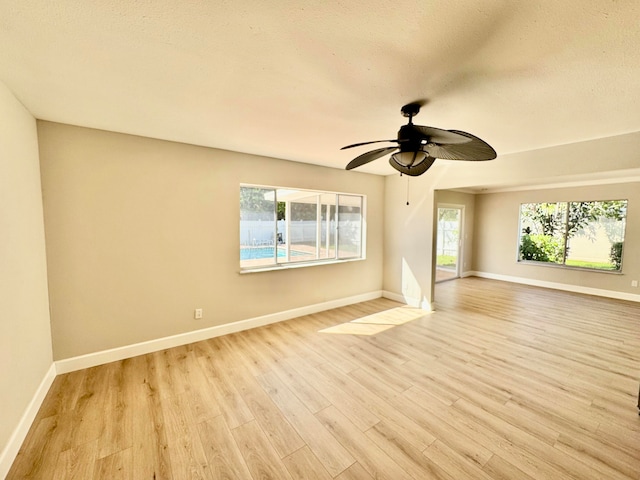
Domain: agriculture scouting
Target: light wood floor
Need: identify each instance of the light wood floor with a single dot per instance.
(443, 274)
(503, 382)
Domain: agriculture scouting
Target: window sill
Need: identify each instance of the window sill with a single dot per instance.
(287, 266)
(568, 267)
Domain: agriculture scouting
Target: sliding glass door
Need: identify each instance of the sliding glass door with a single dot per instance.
(449, 243)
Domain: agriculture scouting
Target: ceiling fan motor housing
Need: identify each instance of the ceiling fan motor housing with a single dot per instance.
(408, 141)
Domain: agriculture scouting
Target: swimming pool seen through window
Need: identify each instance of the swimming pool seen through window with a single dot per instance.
(282, 227)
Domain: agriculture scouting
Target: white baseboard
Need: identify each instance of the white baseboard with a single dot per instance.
(128, 351)
(559, 286)
(411, 301)
(10, 451)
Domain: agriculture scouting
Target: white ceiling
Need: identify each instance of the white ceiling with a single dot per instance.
(299, 79)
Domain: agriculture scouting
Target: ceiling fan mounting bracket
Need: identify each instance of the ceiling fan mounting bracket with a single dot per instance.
(410, 110)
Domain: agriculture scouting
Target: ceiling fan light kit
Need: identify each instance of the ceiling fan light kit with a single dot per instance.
(404, 162)
(409, 158)
(420, 146)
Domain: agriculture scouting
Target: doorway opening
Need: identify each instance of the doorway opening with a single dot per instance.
(448, 244)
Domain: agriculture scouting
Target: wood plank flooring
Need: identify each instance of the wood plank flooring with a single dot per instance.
(503, 381)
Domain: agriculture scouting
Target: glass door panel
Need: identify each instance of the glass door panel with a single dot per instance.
(448, 243)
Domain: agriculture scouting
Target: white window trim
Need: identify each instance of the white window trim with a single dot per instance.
(564, 266)
(320, 261)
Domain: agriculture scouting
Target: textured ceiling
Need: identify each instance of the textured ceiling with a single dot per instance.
(299, 79)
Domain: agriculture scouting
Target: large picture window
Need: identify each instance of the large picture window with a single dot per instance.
(574, 234)
(282, 226)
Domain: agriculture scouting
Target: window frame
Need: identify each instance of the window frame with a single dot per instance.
(333, 216)
(566, 238)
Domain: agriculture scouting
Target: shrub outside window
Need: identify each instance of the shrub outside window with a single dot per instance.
(283, 226)
(574, 234)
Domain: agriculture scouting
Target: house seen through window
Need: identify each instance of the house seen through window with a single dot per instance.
(574, 234)
(282, 226)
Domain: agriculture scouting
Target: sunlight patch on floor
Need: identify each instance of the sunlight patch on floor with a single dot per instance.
(377, 322)
(357, 329)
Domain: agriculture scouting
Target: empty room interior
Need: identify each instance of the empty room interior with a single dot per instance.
(318, 240)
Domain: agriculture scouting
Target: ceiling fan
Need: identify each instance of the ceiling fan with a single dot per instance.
(419, 146)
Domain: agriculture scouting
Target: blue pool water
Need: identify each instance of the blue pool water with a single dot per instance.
(253, 253)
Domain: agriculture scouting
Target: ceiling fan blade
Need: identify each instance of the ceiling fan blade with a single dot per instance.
(474, 150)
(438, 135)
(367, 143)
(414, 170)
(369, 157)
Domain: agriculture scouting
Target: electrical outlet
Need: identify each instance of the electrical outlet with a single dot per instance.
(634, 283)
(197, 313)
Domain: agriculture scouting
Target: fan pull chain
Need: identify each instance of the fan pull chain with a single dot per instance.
(407, 190)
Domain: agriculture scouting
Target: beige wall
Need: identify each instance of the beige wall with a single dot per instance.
(497, 236)
(25, 335)
(408, 239)
(141, 231)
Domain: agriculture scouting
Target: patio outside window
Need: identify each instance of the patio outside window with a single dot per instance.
(283, 226)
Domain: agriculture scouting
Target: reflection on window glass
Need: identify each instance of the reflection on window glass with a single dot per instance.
(303, 225)
(327, 225)
(543, 231)
(257, 226)
(282, 226)
(349, 226)
(576, 234)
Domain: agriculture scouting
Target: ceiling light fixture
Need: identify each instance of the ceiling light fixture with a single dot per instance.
(409, 159)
